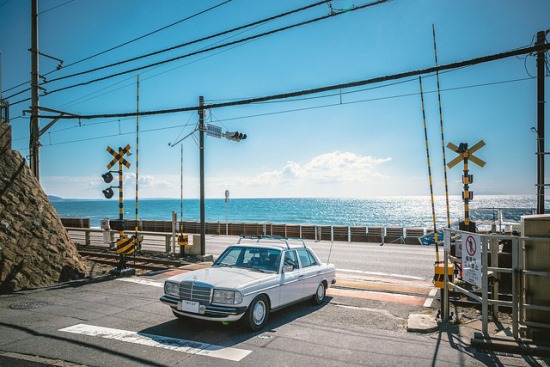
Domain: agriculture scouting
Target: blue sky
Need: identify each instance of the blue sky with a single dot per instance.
(362, 142)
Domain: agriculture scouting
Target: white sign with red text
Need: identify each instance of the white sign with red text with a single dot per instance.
(471, 259)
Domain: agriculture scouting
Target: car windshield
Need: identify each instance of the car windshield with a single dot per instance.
(258, 259)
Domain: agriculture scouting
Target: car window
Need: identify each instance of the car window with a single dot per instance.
(230, 257)
(261, 259)
(291, 259)
(306, 258)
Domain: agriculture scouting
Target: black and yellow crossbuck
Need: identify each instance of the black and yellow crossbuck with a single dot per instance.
(465, 155)
(118, 157)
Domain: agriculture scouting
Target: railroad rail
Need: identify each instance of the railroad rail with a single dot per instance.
(138, 262)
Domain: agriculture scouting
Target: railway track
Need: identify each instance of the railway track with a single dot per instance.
(138, 262)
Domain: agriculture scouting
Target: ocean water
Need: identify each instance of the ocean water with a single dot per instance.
(407, 212)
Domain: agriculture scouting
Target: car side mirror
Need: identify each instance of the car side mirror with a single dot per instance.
(288, 269)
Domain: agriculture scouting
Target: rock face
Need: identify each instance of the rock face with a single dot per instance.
(35, 248)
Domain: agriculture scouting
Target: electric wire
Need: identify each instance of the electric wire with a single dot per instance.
(188, 43)
(286, 95)
(114, 47)
(250, 25)
(91, 95)
(264, 34)
(142, 37)
(222, 120)
(55, 7)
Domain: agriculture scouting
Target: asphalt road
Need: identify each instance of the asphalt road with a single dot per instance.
(120, 322)
(398, 259)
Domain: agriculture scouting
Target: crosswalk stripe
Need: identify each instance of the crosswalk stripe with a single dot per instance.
(142, 281)
(159, 341)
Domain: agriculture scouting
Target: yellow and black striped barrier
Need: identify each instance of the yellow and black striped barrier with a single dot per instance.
(126, 245)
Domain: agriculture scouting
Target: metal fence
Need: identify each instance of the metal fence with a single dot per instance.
(530, 302)
(378, 234)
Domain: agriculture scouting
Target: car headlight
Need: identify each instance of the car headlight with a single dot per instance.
(172, 289)
(227, 297)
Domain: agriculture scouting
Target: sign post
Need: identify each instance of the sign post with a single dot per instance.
(226, 212)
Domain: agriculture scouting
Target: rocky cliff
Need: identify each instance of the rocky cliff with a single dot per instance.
(35, 248)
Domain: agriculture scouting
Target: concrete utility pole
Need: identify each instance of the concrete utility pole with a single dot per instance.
(34, 144)
(201, 155)
(541, 40)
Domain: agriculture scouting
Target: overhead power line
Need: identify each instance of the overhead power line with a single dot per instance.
(114, 47)
(455, 65)
(211, 48)
(249, 25)
(142, 37)
(330, 105)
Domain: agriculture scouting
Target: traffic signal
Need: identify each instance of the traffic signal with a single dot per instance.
(234, 135)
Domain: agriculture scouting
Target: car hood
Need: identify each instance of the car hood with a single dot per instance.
(225, 277)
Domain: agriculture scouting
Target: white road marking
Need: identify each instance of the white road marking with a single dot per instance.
(152, 340)
(377, 273)
(142, 281)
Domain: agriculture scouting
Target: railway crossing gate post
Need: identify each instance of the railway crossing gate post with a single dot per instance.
(124, 245)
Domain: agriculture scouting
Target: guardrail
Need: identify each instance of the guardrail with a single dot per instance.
(527, 302)
(152, 241)
(378, 234)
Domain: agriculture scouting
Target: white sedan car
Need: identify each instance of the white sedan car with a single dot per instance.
(249, 281)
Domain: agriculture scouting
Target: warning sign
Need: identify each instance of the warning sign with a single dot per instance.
(471, 259)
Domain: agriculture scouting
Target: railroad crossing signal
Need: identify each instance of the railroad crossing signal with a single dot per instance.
(119, 156)
(465, 155)
(125, 245)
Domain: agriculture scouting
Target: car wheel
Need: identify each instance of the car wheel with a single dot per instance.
(257, 314)
(320, 294)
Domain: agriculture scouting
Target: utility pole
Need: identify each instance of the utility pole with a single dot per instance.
(34, 144)
(541, 39)
(201, 157)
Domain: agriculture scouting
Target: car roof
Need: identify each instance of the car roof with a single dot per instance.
(273, 242)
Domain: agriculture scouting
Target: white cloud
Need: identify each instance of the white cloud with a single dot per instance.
(335, 167)
(336, 174)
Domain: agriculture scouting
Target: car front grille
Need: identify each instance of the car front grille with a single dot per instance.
(192, 291)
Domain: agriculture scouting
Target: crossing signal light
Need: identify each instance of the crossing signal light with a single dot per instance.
(107, 177)
(235, 135)
(108, 192)
(468, 180)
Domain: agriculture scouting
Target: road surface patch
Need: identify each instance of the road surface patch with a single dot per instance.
(377, 296)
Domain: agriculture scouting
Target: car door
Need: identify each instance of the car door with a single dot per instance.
(292, 285)
(310, 270)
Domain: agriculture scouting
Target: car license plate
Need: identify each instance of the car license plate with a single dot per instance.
(189, 306)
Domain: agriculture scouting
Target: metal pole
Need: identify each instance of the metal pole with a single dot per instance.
(181, 189)
(201, 157)
(445, 300)
(137, 160)
(227, 212)
(516, 299)
(442, 134)
(466, 192)
(35, 122)
(484, 288)
(122, 261)
(429, 173)
(541, 39)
